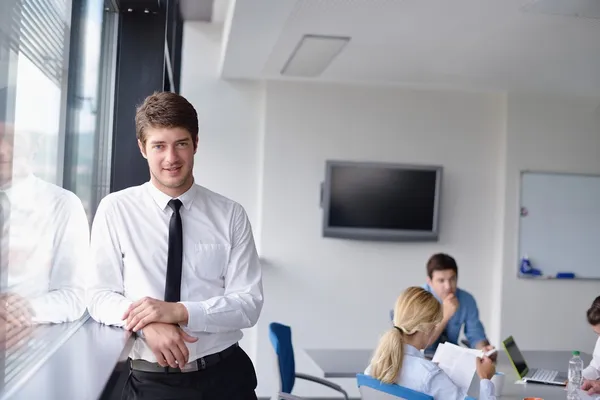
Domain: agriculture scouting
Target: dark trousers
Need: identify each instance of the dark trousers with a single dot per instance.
(233, 378)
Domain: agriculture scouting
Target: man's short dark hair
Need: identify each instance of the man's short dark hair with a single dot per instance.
(441, 262)
(166, 110)
(593, 314)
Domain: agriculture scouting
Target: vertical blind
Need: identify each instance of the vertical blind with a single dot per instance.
(39, 31)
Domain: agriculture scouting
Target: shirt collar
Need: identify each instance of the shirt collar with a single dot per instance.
(162, 199)
(412, 351)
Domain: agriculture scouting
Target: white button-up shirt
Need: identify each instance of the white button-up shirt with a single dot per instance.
(44, 247)
(592, 372)
(424, 376)
(221, 283)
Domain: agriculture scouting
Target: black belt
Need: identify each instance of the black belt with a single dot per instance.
(200, 364)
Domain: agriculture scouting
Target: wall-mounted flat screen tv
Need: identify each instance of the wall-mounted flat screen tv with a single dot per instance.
(381, 201)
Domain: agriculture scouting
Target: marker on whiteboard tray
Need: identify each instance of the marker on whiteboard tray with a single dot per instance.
(565, 275)
(527, 269)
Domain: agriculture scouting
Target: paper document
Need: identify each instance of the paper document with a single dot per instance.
(584, 396)
(457, 362)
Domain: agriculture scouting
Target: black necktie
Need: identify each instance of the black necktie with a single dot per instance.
(173, 283)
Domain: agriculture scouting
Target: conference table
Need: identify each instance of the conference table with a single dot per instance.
(346, 363)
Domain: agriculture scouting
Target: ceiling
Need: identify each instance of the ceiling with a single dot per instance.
(204, 10)
(497, 45)
(196, 10)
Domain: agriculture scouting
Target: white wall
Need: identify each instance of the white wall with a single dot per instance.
(547, 134)
(266, 146)
(337, 293)
(230, 117)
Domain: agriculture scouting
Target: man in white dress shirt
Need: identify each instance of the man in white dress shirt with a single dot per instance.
(176, 263)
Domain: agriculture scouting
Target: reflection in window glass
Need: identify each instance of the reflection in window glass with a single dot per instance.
(48, 109)
(37, 120)
(83, 100)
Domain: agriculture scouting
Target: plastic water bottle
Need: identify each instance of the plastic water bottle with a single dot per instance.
(575, 376)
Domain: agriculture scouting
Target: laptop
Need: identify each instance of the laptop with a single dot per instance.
(545, 376)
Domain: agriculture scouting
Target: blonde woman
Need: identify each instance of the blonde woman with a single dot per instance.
(398, 358)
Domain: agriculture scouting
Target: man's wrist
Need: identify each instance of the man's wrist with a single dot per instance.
(182, 314)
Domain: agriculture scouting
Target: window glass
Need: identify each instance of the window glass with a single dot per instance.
(50, 99)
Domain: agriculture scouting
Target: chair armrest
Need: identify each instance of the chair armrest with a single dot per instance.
(287, 396)
(323, 382)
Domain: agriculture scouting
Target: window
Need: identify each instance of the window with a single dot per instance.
(51, 138)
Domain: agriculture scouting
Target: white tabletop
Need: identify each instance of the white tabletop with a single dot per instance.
(553, 360)
(346, 363)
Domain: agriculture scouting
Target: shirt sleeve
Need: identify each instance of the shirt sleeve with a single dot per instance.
(592, 372)
(105, 299)
(474, 330)
(487, 390)
(65, 299)
(241, 304)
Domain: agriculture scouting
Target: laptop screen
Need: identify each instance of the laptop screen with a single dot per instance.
(515, 356)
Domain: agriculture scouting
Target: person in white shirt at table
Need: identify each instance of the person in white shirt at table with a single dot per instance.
(176, 263)
(591, 374)
(398, 358)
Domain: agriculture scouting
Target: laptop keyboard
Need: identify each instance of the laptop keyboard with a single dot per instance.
(544, 375)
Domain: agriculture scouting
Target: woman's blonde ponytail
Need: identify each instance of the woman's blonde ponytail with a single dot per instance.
(416, 310)
(387, 360)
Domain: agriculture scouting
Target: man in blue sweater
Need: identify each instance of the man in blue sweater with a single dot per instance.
(460, 308)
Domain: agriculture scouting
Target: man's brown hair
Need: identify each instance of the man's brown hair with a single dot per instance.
(165, 110)
(593, 314)
(441, 262)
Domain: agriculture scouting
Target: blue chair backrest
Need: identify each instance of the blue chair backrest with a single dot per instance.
(281, 339)
(390, 389)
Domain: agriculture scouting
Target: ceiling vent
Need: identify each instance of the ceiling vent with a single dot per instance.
(313, 54)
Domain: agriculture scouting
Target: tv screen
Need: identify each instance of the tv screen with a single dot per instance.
(378, 201)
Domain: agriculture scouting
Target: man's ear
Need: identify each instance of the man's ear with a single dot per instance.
(142, 149)
(195, 144)
(429, 282)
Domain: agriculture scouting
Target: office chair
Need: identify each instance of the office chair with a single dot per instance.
(281, 339)
(373, 389)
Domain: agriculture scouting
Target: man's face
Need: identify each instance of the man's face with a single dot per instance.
(443, 282)
(596, 329)
(17, 153)
(170, 154)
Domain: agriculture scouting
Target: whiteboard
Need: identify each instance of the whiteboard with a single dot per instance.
(560, 223)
